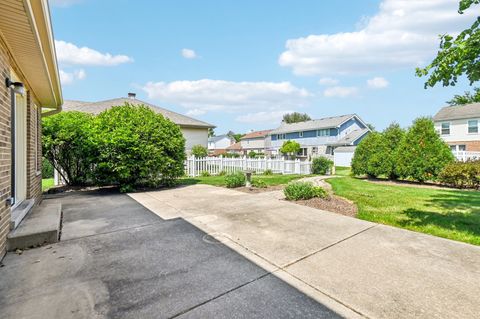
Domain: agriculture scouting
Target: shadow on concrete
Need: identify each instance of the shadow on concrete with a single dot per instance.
(119, 260)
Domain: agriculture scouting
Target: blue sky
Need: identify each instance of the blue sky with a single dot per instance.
(241, 64)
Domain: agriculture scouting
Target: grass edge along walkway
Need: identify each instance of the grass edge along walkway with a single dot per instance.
(452, 214)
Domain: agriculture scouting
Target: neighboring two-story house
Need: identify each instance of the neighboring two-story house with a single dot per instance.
(458, 126)
(218, 144)
(322, 136)
(258, 142)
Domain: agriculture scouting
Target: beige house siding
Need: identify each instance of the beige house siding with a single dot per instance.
(194, 136)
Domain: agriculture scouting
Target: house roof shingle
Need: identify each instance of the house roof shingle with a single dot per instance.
(327, 122)
(255, 134)
(98, 107)
(214, 139)
(458, 112)
(235, 147)
(351, 137)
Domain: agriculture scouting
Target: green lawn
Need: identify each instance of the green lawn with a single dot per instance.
(342, 171)
(46, 184)
(270, 180)
(445, 213)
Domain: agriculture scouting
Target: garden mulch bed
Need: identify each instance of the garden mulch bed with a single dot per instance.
(333, 203)
(255, 190)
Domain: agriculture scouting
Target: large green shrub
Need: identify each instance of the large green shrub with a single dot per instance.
(461, 175)
(252, 154)
(236, 179)
(321, 165)
(422, 154)
(392, 136)
(68, 144)
(199, 151)
(137, 147)
(364, 154)
(303, 190)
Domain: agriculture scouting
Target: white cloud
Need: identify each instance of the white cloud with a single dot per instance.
(67, 78)
(340, 91)
(70, 54)
(202, 96)
(404, 33)
(189, 54)
(328, 81)
(262, 117)
(377, 83)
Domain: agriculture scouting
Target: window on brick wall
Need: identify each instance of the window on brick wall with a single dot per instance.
(37, 138)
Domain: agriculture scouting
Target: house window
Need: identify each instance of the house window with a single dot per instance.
(473, 126)
(446, 128)
(300, 134)
(324, 132)
(280, 136)
(462, 148)
(302, 152)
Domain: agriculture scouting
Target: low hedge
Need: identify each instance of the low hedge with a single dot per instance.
(303, 190)
(461, 174)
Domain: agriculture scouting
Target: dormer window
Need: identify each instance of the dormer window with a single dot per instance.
(446, 128)
(473, 127)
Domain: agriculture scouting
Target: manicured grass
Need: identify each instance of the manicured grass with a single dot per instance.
(46, 184)
(342, 171)
(452, 214)
(270, 180)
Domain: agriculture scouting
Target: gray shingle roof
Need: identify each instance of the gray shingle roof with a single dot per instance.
(214, 139)
(458, 112)
(345, 149)
(327, 122)
(98, 107)
(351, 137)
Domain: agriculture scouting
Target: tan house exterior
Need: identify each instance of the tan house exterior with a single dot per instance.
(29, 87)
(459, 127)
(258, 142)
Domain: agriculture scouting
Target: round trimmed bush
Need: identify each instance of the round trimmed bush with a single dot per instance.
(321, 165)
(234, 180)
(138, 147)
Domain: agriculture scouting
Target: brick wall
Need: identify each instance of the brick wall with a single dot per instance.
(471, 146)
(5, 150)
(34, 151)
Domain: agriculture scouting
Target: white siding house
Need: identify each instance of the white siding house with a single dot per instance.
(257, 141)
(194, 131)
(220, 142)
(459, 126)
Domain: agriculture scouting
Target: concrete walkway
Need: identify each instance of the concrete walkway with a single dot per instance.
(355, 267)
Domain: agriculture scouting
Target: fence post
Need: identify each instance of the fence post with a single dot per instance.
(244, 163)
(194, 166)
(221, 163)
(296, 169)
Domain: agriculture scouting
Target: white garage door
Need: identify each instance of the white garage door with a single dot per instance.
(343, 156)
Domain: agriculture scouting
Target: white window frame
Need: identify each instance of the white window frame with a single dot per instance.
(468, 126)
(327, 132)
(300, 134)
(441, 128)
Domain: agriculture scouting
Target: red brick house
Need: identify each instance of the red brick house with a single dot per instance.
(29, 89)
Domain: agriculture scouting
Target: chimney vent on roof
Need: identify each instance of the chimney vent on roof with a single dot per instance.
(132, 95)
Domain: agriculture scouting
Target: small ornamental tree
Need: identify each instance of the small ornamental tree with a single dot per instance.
(199, 151)
(252, 154)
(67, 143)
(422, 154)
(137, 147)
(290, 148)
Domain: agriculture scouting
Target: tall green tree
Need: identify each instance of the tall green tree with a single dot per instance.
(422, 154)
(466, 98)
(295, 117)
(457, 56)
(211, 132)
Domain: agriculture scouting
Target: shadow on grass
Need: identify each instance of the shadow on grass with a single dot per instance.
(188, 181)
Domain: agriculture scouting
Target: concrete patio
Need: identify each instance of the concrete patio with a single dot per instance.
(373, 270)
(116, 259)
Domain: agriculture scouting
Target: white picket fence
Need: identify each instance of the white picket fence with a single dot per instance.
(465, 156)
(214, 165)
